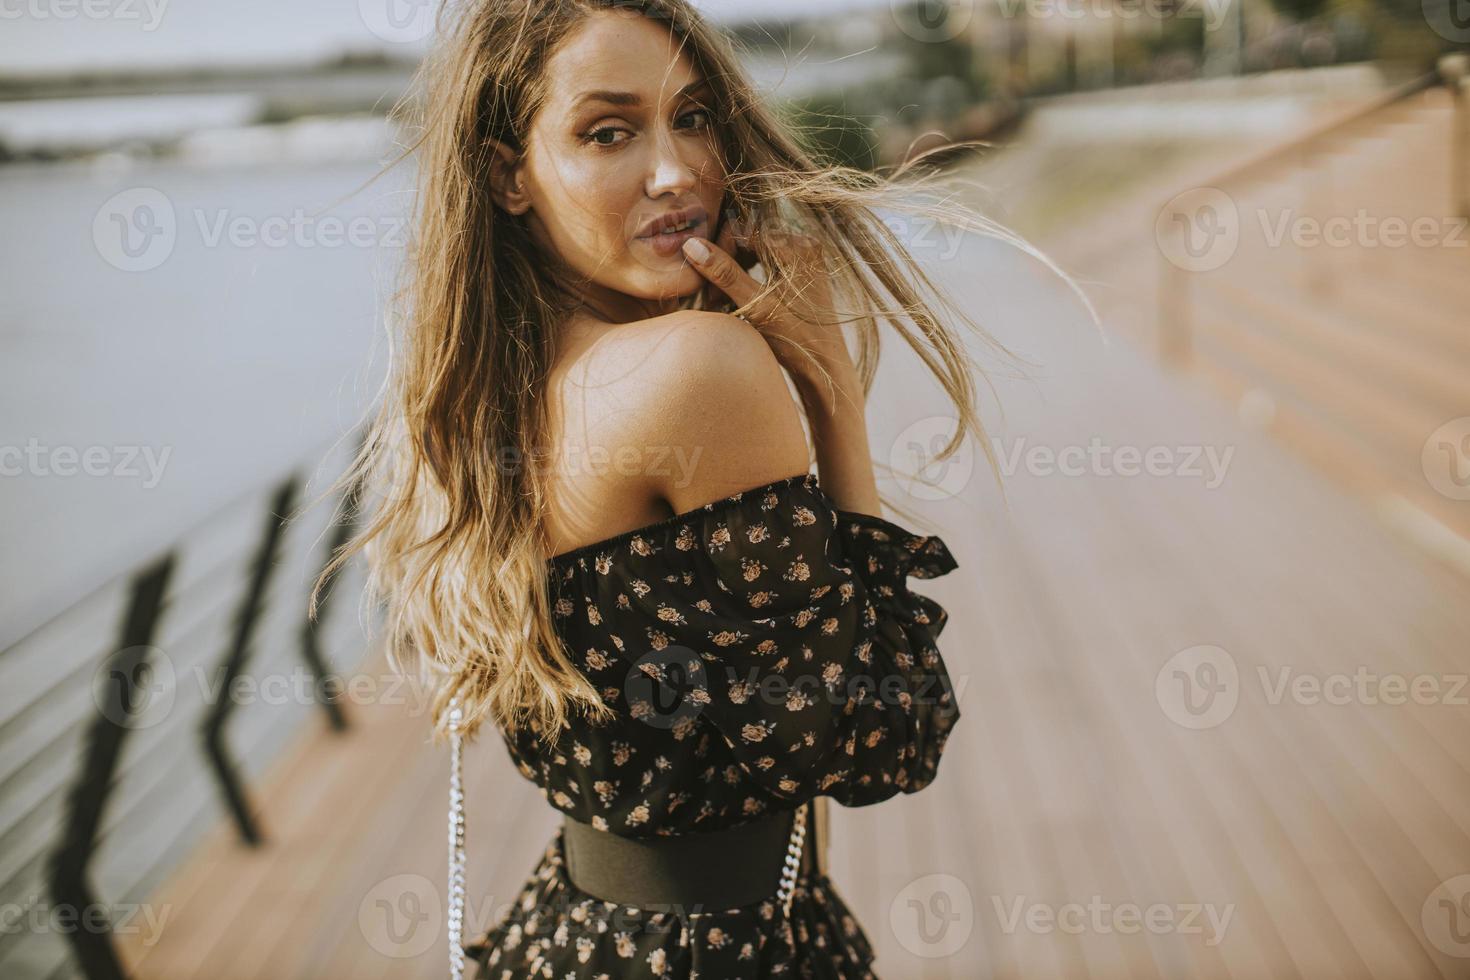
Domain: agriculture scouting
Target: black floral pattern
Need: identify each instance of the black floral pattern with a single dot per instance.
(759, 650)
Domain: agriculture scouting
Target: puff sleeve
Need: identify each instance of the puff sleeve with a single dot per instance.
(797, 637)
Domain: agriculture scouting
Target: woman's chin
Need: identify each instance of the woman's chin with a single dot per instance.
(677, 282)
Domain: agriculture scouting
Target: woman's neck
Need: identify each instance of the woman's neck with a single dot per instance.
(611, 306)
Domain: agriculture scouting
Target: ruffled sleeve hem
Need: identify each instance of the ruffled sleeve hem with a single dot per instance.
(891, 552)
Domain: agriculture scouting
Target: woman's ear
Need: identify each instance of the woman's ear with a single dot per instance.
(507, 186)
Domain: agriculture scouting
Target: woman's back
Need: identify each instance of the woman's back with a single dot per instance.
(649, 418)
(758, 651)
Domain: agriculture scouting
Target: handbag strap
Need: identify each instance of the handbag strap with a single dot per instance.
(456, 843)
(787, 890)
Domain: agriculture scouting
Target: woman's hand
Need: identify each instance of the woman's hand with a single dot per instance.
(786, 327)
(830, 388)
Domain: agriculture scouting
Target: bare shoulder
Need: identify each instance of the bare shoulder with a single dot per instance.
(663, 415)
(718, 402)
(706, 346)
(674, 344)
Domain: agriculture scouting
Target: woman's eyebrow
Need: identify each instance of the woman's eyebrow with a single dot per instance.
(633, 98)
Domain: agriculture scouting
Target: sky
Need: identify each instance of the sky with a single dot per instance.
(48, 36)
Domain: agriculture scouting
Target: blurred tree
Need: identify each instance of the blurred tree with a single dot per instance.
(950, 58)
(826, 130)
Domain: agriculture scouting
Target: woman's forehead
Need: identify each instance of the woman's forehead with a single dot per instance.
(634, 60)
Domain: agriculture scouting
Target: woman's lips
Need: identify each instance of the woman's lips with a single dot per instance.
(671, 243)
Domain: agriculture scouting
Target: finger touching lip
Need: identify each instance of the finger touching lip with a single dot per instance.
(671, 243)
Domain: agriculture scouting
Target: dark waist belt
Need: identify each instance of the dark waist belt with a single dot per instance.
(698, 872)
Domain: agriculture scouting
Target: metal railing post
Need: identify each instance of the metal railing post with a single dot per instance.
(311, 651)
(121, 695)
(245, 622)
(1316, 196)
(1174, 325)
(1455, 70)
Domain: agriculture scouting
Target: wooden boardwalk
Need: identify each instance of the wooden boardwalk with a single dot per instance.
(1080, 828)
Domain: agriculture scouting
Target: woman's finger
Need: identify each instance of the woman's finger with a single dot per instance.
(717, 266)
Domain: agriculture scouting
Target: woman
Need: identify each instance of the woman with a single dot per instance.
(596, 524)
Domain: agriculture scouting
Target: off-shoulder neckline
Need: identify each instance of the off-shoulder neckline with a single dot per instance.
(807, 480)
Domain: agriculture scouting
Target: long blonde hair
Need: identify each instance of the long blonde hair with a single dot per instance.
(452, 535)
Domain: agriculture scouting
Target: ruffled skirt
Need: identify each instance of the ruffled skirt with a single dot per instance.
(555, 931)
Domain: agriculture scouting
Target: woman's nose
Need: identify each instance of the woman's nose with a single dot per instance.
(670, 171)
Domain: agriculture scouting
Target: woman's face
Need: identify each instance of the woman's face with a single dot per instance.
(623, 140)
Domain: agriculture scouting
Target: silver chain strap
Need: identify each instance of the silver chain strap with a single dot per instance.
(787, 891)
(456, 843)
(784, 894)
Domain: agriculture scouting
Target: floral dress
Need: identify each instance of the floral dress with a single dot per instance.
(759, 650)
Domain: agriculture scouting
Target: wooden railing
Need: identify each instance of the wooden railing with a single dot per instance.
(1174, 338)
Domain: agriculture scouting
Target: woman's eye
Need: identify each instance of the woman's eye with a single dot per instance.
(703, 113)
(595, 135)
(605, 135)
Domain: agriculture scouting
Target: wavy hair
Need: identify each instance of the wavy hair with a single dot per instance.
(451, 534)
